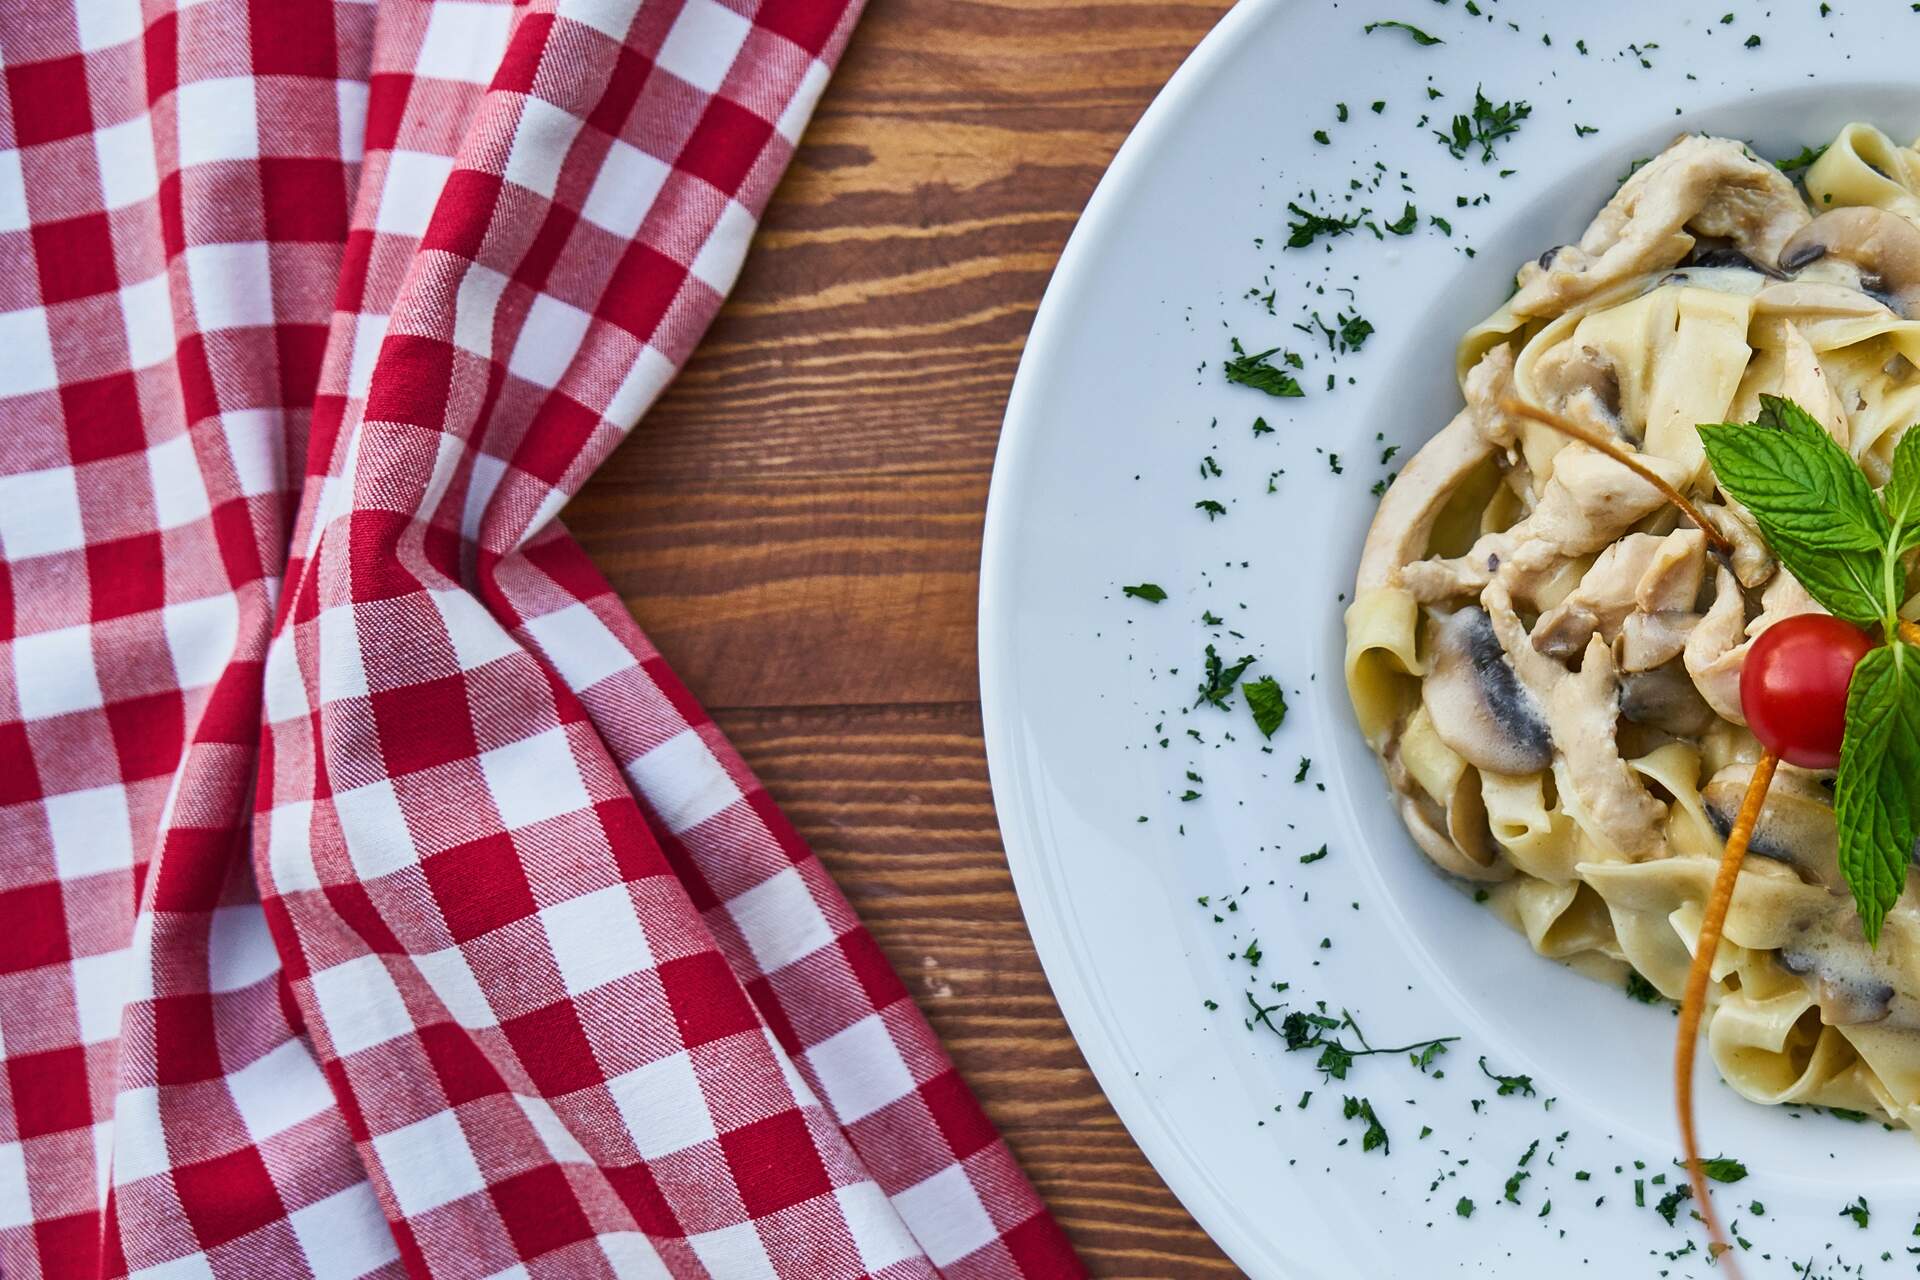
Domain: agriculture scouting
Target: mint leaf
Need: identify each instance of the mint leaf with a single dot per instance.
(1151, 592)
(1875, 799)
(1796, 479)
(1420, 37)
(1902, 494)
(1267, 702)
(1813, 505)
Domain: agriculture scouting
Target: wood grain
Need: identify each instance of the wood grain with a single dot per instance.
(797, 523)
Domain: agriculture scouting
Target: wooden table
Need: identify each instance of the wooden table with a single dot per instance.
(797, 523)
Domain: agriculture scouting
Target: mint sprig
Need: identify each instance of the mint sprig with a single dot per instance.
(1847, 545)
(1875, 796)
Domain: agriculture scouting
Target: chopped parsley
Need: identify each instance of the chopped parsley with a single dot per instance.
(1148, 591)
(1753, 42)
(1583, 130)
(1268, 702)
(1211, 507)
(1376, 1133)
(1509, 1085)
(1720, 1168)
(1311, 226)
(1221, 678)
(1306, 763)
(1406, 222)
(1420, 37)
(1859, 1212)
(1669, 1204)
(1260, 427)
(1464, 1207)
(1317, 854)
(1638, 988)
(1487, 124)
(1795, 163)
(1255, 371)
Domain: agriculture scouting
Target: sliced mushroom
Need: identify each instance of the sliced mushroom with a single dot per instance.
(1884, 247)
(1477, 705)
(1796, 826)
(1582, 713)
(1664, 698)
(1847, 995)
(1716, 652)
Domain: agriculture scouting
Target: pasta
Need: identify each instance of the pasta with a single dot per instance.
(1546, 657)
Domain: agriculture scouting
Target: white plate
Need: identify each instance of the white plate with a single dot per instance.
(1094, 488)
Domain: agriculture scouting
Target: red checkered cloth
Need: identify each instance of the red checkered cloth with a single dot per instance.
(373, 900)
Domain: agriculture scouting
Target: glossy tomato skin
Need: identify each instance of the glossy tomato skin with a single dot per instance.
(1793, 689)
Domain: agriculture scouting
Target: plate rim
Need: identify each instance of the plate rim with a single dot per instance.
(1013, 804)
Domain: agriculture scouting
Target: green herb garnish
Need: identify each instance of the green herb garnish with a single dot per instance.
(1376, 1133)
(1148, 591)
(1793, 164)
(1509, 1085)
(1267, 702)
(1221, 678)
(1859, 1212)
(1640, 989)
(1847, 546)
(1420, 37)
(1255, 371)
(1719, 1168)
(1311, 226)
(1405, 223)
(1488, 124)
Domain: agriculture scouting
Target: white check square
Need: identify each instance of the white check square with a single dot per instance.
(945, 1215)
(344, 1236)
(125, 151)
(375, 829)
(735, 1252)
(360, 1004)
(663, 1106)
(413, 183)
(429, 1163)
(146, 308)
(231, 285)
(703, 43)
(40, 512)
(179, 492)
(92, 831)
(54, 673)
(29, 346)
(464, 41)
(201, 635)
(683, 781)
(216, 120)
(240, 951)
(780, 920)
(624, 189)
(279, 1090)
(579, 645)
(540, 145)
(534, 779)
(861, 1069)
(596, 938)
(548, 340)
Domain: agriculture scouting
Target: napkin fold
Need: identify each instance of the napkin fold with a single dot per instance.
(373, 900)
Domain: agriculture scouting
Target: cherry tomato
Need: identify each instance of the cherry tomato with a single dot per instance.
(1793, 688)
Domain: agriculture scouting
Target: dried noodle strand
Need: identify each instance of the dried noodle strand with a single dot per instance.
(1694, 1005)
